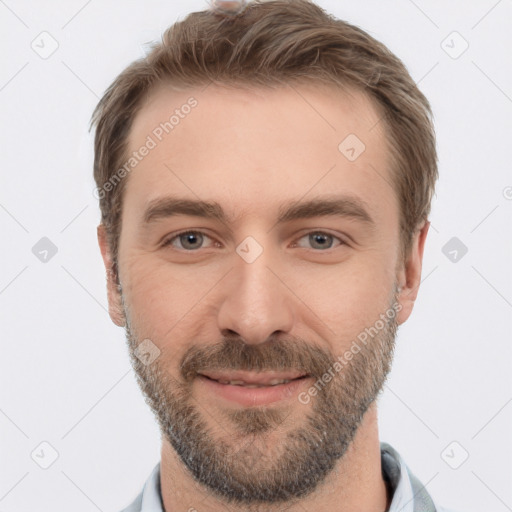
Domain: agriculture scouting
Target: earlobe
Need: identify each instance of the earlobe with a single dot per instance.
(409, 278)
(115, 308)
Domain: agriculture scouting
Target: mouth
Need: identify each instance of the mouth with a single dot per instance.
(254, 379)
(252, 388)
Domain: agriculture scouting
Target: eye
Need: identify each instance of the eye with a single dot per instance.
(320, 240)
(188, 240)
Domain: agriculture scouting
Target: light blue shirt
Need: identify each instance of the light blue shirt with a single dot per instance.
(409, 495)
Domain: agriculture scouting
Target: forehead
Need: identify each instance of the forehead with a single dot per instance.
(254, 148)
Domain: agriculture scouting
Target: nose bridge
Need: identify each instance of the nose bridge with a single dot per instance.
(256, 304)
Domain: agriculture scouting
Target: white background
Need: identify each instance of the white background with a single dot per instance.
(64, 369)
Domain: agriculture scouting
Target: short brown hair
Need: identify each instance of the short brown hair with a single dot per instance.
(274, 43)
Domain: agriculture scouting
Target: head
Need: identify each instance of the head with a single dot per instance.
(297, 157)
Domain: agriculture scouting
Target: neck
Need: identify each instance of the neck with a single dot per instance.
(354, 485)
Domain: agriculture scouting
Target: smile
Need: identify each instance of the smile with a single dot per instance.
(252, 388)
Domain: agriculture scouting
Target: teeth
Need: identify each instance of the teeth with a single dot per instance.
(273, 382)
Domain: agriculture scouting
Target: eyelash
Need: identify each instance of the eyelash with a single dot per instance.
(176, 236)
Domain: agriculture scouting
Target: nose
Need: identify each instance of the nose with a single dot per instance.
(255, 304)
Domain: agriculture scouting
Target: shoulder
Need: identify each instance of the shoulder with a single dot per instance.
(135, 506)
(444, 509)
(149, 499)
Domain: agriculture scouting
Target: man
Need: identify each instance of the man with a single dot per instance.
(296, 156)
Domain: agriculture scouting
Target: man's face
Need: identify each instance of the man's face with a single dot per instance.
(266, 292)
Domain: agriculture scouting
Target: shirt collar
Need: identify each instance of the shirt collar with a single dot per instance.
(409, 495)
(152, 493)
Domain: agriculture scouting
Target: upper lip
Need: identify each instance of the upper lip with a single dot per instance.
(263, 378)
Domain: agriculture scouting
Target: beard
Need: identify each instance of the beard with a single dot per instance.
(235, 459)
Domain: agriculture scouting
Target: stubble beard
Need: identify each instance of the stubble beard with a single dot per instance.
(245, 456)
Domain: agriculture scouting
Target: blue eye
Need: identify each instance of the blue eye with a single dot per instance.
(193, 240)
(321, 240)
(189, 240)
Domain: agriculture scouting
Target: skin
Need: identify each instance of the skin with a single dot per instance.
(252, 151)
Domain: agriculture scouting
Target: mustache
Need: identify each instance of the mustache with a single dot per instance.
(275, 354)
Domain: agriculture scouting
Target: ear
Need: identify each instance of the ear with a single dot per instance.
(409, 277)
(115, 308)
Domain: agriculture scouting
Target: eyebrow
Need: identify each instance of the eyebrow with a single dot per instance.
(340, 206)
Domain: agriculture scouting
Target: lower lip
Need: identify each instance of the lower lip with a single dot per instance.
(252, 396)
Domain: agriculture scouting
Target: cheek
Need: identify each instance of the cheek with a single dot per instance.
(165, 300)
(347, 298)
